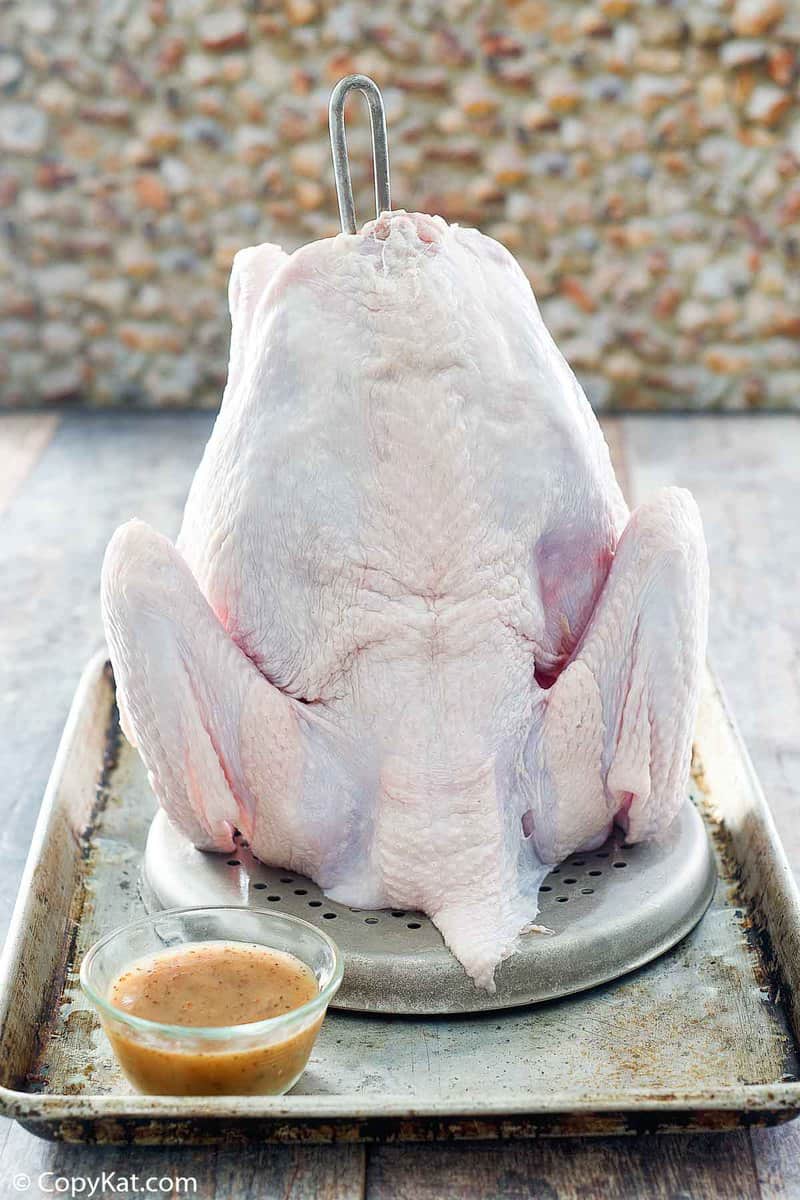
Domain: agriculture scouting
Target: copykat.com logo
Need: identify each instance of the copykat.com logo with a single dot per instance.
(107, 1183)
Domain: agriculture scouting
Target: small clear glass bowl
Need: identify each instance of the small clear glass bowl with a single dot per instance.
(258, 1058)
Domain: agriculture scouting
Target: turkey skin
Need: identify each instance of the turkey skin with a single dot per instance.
(410, 641)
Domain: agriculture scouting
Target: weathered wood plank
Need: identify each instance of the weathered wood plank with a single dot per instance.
(268, 1172)
(708, 1167)
(777, 1159)
(96, 471)
(23, 438)
(300, 1173)
(99, 469)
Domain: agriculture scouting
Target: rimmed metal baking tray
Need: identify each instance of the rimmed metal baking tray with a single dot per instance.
(706, 1037)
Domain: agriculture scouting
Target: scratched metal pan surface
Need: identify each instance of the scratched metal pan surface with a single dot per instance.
(706, 1037)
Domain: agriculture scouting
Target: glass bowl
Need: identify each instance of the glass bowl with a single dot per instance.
(264, 1057)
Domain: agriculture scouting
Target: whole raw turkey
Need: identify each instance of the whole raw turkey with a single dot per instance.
(411, 643)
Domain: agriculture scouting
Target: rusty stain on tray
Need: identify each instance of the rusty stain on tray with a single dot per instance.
(112, 746)
(661, 1048)
(766, 968)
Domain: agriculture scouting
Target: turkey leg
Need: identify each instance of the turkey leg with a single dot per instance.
(214, 734)
(614, 740)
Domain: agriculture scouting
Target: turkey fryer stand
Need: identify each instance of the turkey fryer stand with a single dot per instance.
(703, 1037)
(610, 910)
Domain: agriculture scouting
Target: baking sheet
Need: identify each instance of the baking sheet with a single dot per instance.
(704, 1038)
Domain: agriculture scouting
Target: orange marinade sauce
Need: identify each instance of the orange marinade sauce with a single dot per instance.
(213, 984)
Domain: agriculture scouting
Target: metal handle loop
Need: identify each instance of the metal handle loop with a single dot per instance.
(380, 148)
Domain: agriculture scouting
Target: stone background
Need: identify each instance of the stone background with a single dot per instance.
(640, 159)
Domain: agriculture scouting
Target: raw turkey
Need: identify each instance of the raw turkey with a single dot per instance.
(410, 642)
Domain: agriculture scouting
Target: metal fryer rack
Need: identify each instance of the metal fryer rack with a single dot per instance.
(610, 909)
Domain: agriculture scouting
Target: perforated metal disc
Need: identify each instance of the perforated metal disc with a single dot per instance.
(611, 910)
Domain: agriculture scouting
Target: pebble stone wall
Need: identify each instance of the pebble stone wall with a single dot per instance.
(640, 159)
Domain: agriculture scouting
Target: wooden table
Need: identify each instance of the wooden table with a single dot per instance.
(67, 481)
